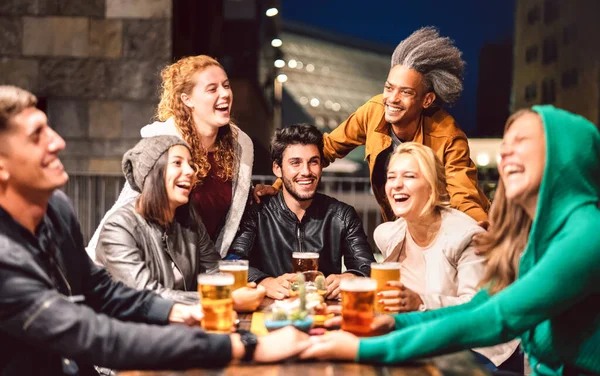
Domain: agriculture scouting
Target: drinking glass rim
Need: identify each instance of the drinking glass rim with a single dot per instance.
(216, 279)
(386, 265)
(305, 255)
(358, 284)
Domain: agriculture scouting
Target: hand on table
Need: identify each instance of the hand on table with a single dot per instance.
(401, 300)
(263, 190)
(281, 344)
(335, 345)
(333, 284)
(247, 299)
(382, 324)
(190, 315)
(278, 288)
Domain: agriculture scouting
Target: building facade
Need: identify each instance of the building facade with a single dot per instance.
(556, 56)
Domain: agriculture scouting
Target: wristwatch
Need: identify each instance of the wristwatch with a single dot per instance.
(250, 341)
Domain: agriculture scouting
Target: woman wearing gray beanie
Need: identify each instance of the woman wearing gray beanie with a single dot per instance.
(195, 105)
(157, 241)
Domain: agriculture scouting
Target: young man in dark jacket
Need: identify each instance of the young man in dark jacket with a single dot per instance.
(297, 219)
(61, 314)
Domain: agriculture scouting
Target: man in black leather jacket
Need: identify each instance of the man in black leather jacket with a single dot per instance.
(298, 219)
(59, 312)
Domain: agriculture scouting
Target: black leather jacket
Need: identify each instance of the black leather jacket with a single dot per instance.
(143, 255)
(77, 311)
(270, 232)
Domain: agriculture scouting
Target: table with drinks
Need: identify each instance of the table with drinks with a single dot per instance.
(306, 309)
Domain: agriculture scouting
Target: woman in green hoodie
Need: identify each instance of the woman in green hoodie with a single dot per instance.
(543, 279)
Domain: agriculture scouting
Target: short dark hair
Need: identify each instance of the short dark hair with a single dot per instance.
(303, 134)
(13, 100)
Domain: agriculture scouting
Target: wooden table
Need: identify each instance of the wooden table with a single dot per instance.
(457, 364)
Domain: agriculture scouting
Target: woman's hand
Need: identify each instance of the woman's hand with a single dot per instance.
(401, 300)
(335, 345)
(382, 324)
(190, 315)
(263, 190)
(248, 299)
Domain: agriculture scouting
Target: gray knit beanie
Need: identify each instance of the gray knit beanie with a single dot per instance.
(139, 161)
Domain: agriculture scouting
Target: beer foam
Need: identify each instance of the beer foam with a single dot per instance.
(305, 255)
(233, 267)
(358, 284)
(217, 279)
(386, 266)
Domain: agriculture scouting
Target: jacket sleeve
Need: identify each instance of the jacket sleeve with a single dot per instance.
(470, 269)
(126, 196)
(244, 241)
(461, 180)
(40, 315)
(358, 255)
(347, 136)
(119, 252)
(541, 294)
(207, 254)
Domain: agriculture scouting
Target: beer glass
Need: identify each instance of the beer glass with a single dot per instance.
(382, 273)
(305, 261)
(358, 301)
(217, 304)
(239, 270)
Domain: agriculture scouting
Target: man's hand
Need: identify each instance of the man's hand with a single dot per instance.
(263, 190)
(247, 299)
(335, 345)
(190, 315)
(333, 284)
(278, 288)
(401, 300)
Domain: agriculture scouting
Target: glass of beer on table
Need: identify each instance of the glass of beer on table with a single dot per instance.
(358, 304)
(304, 261)
(239, 270)
(382, 273)
(217, 304)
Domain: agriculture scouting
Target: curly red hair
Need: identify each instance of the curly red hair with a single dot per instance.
(178, 78)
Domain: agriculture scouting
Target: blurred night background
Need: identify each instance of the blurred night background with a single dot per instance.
(94, 65)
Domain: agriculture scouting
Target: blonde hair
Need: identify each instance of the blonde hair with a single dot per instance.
(507, 237)
(432, 170)
(178, 78)
(13, 100)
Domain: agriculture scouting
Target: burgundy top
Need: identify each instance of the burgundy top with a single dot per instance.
(211, 199)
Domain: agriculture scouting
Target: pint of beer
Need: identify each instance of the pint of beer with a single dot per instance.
(382, 273)
(239, 270)
(217, 304)
(305, 261)
(358, 300)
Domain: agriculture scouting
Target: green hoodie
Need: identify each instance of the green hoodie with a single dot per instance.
(553, 305)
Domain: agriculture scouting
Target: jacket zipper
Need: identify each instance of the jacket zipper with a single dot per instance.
(299, 238)
(39, 311)
(165, 237)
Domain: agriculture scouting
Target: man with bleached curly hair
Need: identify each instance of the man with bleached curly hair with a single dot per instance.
(426, 74)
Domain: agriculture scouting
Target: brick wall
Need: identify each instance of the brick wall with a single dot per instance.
(94, 63)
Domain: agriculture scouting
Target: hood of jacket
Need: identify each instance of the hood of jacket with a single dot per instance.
(572, 156)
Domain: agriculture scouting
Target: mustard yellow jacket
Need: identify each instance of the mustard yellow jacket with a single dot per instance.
(437, 129)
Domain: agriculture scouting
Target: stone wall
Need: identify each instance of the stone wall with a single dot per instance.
(94, 63)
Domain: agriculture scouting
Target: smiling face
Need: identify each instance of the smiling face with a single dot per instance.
(210, 99)
(407, 189)
(300, 171)
(179, 176)
(523, 153)
(29, 161)
(404, 96)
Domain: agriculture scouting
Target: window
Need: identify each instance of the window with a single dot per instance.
(569, 34)
(533, 15)
(550, 50)
(551, 11)
(530, 92)
(570, 78)
(531, 54)
(548, 91)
